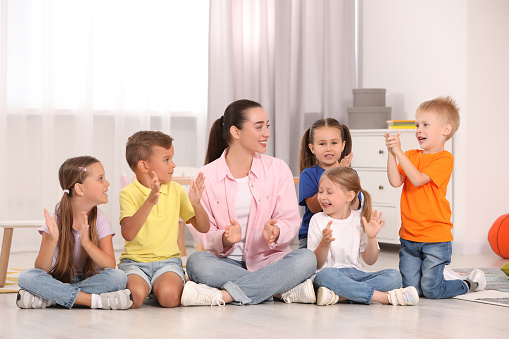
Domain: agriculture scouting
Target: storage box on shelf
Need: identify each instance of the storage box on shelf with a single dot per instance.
(370, 162)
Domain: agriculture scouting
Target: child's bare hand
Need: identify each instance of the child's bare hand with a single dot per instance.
(196, 189)
(374, 225)
(84, 234)
(233, 232)
(392, 142)
(327, 233)
(153, 197)
(52, 226)
(271, 231)
(346, 161)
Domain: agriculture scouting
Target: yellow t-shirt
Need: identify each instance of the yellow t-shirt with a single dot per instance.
(157, 238)
(425, 211)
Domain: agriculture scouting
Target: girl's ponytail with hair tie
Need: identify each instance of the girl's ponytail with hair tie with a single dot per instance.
(66, 191)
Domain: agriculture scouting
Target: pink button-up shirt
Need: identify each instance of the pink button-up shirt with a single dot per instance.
(274, 197)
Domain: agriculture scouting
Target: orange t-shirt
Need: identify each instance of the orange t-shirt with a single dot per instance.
(425, 211)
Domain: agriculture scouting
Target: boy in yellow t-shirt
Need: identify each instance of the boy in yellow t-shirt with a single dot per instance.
(150, 208)
(426, 225)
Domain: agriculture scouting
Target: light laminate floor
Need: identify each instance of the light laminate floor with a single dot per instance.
(429, 319)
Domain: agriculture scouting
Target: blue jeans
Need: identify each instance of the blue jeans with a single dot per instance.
(356, 285)
(247, 287)
(42, 284)
(422, 266)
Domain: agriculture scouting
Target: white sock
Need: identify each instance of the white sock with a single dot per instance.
(96, 301)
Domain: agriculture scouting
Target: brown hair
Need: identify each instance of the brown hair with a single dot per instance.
(139, 146)
(348, 180)
(71, 172)
(445, 108)
(219, 138)
(307, 158)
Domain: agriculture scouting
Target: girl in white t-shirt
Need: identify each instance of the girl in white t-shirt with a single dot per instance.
(339, 241)
(76, 262)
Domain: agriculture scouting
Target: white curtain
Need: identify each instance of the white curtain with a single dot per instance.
(80, 77)
(295, 57)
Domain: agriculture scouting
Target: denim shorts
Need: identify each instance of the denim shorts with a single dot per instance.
(150, 271)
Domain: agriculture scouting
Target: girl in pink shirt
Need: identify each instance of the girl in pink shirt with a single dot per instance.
(252, 206)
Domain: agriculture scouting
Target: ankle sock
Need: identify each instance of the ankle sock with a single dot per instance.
(472, 285)
(96, 301)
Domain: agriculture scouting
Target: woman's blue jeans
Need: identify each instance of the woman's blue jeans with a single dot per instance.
(248, 287)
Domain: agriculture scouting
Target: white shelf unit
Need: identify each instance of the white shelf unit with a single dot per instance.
(370, 162)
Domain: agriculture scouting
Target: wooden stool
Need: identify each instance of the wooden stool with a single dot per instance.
(9, 226)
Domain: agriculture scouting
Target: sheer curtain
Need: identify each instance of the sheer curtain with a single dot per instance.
(296, 57)
(80, 77)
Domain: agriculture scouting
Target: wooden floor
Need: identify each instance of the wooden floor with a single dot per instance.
(429, 319)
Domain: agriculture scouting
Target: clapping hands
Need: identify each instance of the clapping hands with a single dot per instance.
(327, 236)
(196, 189)
(153, 197)
(233, 232)
(393, 142)
(374, 225)
(271, 231)
(52, 226)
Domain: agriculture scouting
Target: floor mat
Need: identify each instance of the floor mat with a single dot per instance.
(497, 288)
(11, 283)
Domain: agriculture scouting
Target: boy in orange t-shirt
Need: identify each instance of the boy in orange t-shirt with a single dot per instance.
(426, 225)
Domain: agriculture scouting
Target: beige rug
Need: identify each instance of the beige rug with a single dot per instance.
(11, 284)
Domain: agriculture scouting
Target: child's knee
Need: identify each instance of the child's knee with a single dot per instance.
(169, 296)
(139, 290)
(395, 278)
(27, 278)
(307, 261)
(117, 278)
(430, 293)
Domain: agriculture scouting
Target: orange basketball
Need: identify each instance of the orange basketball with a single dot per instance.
(498, 236)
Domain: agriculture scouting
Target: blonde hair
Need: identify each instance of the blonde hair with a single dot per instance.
(348, 180)
(445, 108)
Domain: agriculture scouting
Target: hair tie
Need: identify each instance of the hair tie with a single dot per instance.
(221, 119)
(66, 191)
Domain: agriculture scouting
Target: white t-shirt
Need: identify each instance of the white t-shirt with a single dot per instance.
(350, 241)
(242, 206)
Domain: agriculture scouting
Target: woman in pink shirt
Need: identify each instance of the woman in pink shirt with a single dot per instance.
(252, 206)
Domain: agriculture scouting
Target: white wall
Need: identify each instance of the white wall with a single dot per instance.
(419, 50)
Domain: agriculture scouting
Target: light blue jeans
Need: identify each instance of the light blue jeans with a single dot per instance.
(42, 284)
(422, 266)
(356, 285)
(247, 287)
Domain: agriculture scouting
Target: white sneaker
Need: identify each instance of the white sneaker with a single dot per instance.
(477, 276)
(199, 294)
(449, 274)
(303, 293)
(117, 300)
(407, 296)
(26, 299)
(326, 297)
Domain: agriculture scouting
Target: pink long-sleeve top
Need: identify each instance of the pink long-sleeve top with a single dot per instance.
(274, 197)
